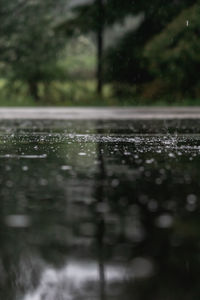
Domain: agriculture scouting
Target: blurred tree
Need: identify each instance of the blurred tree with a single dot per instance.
(29, 46)
(90, 17)
(174, 53)
(126, 62)
(100, 41)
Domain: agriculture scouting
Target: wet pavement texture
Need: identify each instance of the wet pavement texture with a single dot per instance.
(100, 209)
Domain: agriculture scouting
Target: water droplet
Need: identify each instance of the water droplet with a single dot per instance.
(19, 221)
(115, 182)
(25, 168)
(152, 205)
(191, 199)
(141, 267)
(82, 154)
(66, 168)
(8, 168)
(164, 221)
(43, 182)
(9, 184)
(150, 161)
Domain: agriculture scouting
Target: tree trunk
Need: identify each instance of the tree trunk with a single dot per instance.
(100, 45)
(33, 89)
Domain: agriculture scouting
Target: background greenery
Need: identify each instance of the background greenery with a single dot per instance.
(149, 53)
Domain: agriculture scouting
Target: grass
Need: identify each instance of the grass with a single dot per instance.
(71, 93)
(77, 93)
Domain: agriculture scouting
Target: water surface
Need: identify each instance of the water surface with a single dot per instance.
(99, 210)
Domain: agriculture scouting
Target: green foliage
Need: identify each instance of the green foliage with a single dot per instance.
(80, 60)
(29, 46)
(86, 15)
(174, 54)
(126, 61)
(158, 58)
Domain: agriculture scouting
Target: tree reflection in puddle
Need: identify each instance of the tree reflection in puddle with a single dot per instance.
(74, 280)
(80, 279)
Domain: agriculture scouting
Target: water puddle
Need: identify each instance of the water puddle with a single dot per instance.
(99, 210)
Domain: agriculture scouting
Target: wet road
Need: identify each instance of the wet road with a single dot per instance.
(96, 209)
(146, 113)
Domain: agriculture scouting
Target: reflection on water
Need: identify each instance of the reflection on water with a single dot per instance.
(72, 280)
(99, 210)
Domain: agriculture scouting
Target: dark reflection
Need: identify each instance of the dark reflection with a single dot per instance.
(99, 214)
(99, 195)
